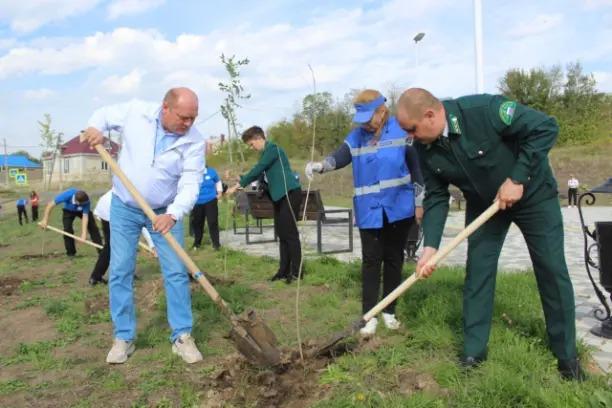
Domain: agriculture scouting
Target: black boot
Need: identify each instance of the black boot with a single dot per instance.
(468, 362)
(277, 276)
(571, 370)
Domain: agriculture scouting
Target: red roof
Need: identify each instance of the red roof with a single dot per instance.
(74, 146)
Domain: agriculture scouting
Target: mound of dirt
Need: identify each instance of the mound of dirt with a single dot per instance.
(292, 384)
(9, 285)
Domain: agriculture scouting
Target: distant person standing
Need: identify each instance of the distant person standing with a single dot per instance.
(34, 199)
(572, 191)
(21, 209)
(206, 209)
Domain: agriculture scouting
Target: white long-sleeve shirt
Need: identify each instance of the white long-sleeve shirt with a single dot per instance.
(573, 183)
(169, 179)
(102, 211)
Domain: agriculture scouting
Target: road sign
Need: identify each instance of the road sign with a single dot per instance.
(13, 172)
(21, 179)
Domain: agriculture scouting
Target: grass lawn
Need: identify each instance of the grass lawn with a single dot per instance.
(57, 331)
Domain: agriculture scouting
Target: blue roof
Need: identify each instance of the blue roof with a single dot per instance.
(18, 160)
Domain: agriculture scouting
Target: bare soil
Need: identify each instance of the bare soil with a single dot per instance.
(25, 326)
(9, 285)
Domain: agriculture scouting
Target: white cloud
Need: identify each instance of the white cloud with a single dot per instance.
(119, 8)
(538, 25)
(6, 43)
(26, 16)
(604, 80)
(594, 4)
(37, 94)
(123, 85)
(348, 48)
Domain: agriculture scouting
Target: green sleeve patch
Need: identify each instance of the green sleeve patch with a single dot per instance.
(506, 111)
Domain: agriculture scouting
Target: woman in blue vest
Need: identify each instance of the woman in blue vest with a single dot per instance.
(384, 170)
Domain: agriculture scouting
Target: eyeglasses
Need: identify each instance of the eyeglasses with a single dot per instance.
(188, 119)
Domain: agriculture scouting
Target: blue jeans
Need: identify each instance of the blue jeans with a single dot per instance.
(126, 224)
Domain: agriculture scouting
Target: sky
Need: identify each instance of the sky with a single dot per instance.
(69, 57)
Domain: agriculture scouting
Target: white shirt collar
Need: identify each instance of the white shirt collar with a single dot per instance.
(445, 131)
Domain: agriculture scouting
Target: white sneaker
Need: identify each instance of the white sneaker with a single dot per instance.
(390, 321)
(185, 347)
(120, 351)
(370, 328)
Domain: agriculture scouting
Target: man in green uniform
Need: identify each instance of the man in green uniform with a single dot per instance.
(492, 148)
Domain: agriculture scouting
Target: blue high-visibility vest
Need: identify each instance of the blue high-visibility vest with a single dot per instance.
(381, 176)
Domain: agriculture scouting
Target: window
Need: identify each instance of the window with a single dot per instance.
(66, 165)
(104, 165)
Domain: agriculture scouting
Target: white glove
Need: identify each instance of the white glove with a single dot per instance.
(312, 167)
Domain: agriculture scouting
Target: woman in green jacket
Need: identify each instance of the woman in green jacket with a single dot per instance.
(285, 192)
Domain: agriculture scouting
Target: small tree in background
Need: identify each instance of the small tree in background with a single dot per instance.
(51, 141)
(233, 94)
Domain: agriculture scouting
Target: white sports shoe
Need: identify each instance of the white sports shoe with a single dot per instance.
(390, 321)
(185, 347)
(370, 328)
(120, 351)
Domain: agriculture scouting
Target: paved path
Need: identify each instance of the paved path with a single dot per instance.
(514, 256)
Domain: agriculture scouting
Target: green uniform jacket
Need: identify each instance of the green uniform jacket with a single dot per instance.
(490, 139)
(278, 172)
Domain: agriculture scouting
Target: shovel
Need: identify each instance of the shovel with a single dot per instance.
(84, 241)
(439, 256)
(252, 337)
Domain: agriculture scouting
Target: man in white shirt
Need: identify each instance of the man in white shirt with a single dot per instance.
(161, 154)
(572, 190)
(102, 212)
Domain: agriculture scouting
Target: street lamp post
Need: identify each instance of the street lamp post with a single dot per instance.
(478, 46)
(416, 39)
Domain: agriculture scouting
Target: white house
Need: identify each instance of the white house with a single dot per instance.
(77, 162)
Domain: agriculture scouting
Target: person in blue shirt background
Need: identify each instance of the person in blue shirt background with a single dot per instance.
(76, 204)
(206, 208)
(21, 209)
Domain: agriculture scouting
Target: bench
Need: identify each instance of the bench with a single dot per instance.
(262, 211)
(260, 207)
(456, 196)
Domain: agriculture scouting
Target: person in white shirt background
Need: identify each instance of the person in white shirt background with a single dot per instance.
(102, 212)
(162, 156)
(572, 191)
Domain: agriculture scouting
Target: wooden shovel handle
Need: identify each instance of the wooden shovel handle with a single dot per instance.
(193, 269)
(439, 256)
(84, 241)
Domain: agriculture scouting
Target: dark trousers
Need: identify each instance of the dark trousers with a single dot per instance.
(201, 214)
(21, 212)
(382, 247)
(412, 240)
(104, 255)
(34, 213)
(542, 227)
(287, 231)
(68, 219)
(572, 196)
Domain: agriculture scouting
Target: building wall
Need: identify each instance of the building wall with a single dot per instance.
(77, 168)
